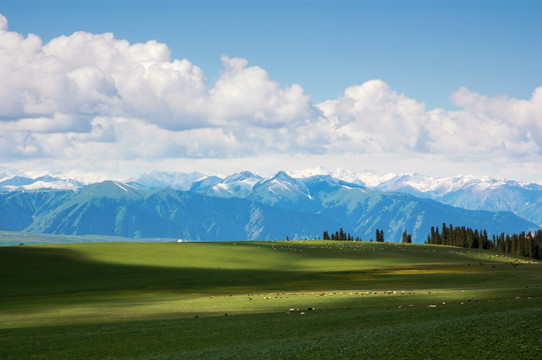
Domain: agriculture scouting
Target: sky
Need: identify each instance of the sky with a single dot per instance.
(119, 88)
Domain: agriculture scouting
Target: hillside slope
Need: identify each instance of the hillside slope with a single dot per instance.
(273, 209)
(111, 208)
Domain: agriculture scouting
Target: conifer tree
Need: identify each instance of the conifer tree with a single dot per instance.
(432, 238)
(520, 249)
(508, 244)
(444, 235)
(514, 244)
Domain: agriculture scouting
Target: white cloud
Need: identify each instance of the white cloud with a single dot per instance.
(94, 99)
(88, 74)
(373, 118)
(245, 95)
(499, 124)
(3, 23)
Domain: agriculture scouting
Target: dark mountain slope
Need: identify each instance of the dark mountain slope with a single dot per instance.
(102, 210)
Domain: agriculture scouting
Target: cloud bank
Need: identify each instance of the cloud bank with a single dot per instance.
(91, 97)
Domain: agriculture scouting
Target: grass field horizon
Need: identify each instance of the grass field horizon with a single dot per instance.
(277, 299)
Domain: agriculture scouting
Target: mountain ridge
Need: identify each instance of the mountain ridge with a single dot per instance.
(274, 209)
(291, 190)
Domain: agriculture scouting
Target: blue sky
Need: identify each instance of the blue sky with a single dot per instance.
(426, 70)
(425, 49)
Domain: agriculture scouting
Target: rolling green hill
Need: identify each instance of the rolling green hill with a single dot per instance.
(306, 299)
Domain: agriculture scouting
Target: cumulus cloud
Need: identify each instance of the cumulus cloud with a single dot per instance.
(86, 96)
(87, 74)
(99, 75)
(246, 95)
(373, 118)
(79, 87)
(505, 124)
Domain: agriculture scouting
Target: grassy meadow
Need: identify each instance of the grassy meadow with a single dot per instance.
(277, 300)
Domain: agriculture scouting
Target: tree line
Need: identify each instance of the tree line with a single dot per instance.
(524, 244)
(340, 235)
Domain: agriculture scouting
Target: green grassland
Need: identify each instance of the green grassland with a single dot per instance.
(278, 300)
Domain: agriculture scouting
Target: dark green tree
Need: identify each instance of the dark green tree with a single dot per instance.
(379, 235)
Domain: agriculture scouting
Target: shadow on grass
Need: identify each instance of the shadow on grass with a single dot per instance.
(102, 299)
(39, 271)
(29, 271)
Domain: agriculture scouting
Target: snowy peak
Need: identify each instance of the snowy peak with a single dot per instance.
(162, 179)
(243, 176)
(366, 178)
(474, 193)
(441, 186)
(280, 189)
(328, 182)
(18, 183)
(209, 207)
(282, 183)
(238, 184)
(113, 190)
(287, 188)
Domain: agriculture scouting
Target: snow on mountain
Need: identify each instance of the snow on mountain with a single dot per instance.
(43, 182)
(206, 184)
(436, 186)
(366, 178)
(465, 191)
(238, 184)
(7, 173)
(112, 190)
(163, 179)
(281, 190)
(416, 182)
(247, 206)
(419, 182)
(469, 192)
(305, 173)
(473, 192)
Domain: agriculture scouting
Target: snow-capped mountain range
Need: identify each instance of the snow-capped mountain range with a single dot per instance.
(469, 192)
(341, 196)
